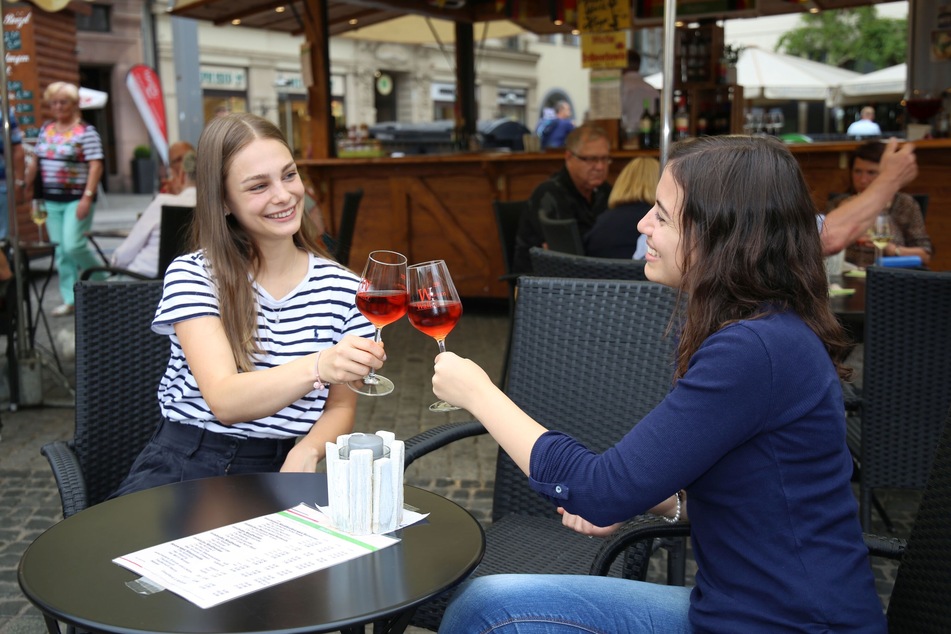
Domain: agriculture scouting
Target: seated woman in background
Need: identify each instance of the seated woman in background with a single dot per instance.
(614, 233)
(909, 236)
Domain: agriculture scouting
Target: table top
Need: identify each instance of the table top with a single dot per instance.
(68, 572)
(850, 309)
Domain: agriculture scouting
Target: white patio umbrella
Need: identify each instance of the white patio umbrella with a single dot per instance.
(90, 99)
(768, 75)
(884, 83)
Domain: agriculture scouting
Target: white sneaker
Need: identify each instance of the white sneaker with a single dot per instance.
(63, 310)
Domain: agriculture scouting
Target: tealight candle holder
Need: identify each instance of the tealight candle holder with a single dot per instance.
(365, 482)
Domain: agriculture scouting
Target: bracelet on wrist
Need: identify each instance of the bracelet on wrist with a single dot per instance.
(318, 384)
(676, 517)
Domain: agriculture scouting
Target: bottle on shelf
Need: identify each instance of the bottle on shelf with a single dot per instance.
(645, 127)
(656, 126)
(681, 119)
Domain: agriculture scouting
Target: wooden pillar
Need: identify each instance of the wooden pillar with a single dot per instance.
(316, 58)
(465, 80)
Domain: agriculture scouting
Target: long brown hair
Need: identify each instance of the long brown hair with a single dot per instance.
(750, 241)
(232, 255)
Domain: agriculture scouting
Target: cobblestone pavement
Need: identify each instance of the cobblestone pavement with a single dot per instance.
(29, 502)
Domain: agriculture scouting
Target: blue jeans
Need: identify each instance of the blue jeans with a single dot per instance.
(566, 604)
(72, 246)
(178, 452)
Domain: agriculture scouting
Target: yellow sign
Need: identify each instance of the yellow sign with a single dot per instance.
(599, 16)
(604, 50)
(51, 6)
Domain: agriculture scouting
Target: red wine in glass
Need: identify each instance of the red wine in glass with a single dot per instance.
(434, 307)
(381, 298)
(382, 308)
(435, 318)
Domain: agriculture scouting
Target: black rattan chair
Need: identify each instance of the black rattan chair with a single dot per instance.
(548, 263)
(561, 234)
(906, 380)
(918, 603)
(119, 363)
(348, 224)
(590, 358)
(173, 242)
(508, 215)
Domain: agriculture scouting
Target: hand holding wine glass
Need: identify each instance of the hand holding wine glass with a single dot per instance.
(434, 307)
(381, 297)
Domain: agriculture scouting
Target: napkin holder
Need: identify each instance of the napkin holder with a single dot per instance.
(902, 261)
(365, 494)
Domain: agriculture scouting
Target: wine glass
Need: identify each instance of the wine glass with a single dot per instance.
(38, 216)
(382, 298)
(881, 234)
(434, 307)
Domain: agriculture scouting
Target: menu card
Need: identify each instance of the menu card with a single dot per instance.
(228, 562)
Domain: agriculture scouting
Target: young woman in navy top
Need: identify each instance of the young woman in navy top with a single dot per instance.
(263, 326)
(752, 433)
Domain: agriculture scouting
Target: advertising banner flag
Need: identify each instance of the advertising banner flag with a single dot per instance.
(143, 82)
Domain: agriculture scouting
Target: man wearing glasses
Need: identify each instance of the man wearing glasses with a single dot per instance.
(579, 190)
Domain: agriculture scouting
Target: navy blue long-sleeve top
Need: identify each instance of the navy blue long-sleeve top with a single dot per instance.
(755, 433)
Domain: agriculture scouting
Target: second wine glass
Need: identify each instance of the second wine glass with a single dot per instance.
(881, 235)
(381, 297)
(434, 307)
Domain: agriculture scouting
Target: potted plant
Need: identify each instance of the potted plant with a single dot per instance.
(731, 55)
(143, 170)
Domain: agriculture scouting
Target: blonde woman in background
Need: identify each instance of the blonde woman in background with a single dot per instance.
(614, 234)
(69, 158)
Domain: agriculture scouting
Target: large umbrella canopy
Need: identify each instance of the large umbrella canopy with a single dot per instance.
(417, 29)
(90, 99)
(881, 84)
(768, 75)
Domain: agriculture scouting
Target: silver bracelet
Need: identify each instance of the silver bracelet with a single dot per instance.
(676, 517)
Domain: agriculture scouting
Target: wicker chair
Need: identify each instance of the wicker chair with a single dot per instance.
(548, 263)
(173, 242)
(562, 234)
(589, 357)
(919, 600)
(119, 363)
(348, 224)
(906, 380)
(508, 215)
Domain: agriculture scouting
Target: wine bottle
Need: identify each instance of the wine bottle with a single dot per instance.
(645, 127)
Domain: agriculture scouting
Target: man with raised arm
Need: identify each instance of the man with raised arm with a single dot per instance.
(844, 224)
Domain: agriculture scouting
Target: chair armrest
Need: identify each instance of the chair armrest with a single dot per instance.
(88, 273)
(852, 397)
(642, 527)
(69, 476)
(432, 439)
(888, 547)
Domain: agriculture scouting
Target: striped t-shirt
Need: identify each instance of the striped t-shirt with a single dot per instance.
(64, 159)
(314, 316)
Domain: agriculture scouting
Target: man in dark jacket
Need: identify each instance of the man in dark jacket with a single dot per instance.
(579, 190)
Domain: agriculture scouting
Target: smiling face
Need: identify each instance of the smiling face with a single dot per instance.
(264, 191)
(662, 227)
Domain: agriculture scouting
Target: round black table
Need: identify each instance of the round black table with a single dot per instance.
(67, 572)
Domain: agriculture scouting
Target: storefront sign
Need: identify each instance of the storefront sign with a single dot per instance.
(23, 87)
(224, 78)
(604, 50)
(599, 16)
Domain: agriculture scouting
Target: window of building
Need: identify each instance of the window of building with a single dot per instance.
(99, 20)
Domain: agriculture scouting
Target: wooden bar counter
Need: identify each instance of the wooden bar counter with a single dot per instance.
(440, 206)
